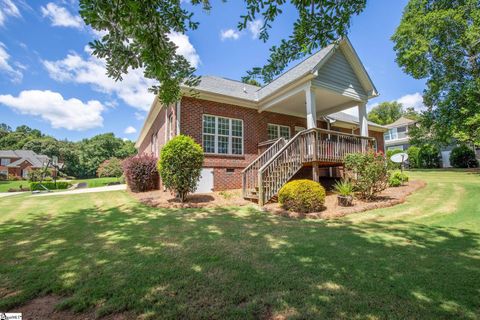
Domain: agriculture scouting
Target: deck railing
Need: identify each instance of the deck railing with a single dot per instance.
(250, 173)
(308, 146)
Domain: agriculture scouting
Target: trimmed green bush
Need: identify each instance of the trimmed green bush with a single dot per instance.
(302, 196)
(50, 185)
(429, 157)
(180, 165)
(463, 157)
(397, 179)
(368, 172)
(413, 160)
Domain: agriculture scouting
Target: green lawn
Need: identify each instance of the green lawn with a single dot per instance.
(5, 185)
(91, 183)
(104, 251)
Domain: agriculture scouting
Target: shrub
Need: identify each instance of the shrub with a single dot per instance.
(12, 177)
(3, 176)
(344, 188)
(180, 165)
(141, 172)
(302, 196)
(36, 174)
(110, 168)
(413, 160)
(428, 157)
(49, 185)
(397, 179)
(463, 157)
(368, 173)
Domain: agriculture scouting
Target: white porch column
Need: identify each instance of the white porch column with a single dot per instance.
(311, 108)
(362, 118)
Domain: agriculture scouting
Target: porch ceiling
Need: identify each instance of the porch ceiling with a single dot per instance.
(326, 102)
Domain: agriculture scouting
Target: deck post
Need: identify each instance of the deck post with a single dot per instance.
(311, 108)
(362, 118)
(315, 172)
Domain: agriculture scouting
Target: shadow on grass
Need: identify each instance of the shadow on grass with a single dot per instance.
(239, 263)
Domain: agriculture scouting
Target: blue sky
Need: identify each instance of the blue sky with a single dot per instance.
(49, 80)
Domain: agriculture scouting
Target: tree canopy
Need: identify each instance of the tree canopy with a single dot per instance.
(439, 40)
(137, 35)
(81, 159)
(390, 111)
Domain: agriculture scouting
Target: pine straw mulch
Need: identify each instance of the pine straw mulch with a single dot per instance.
(387, 198)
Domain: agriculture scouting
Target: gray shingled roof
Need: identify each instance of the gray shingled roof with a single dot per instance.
(345, 117)
(400, 122)
(36, 160)
(253, 93)
(227, 87)
(301, 69)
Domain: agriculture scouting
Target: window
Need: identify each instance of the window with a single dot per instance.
(222, 135)
(4, 162)
(3, 174)
(154, 145)
(170, 127)
(276, 131)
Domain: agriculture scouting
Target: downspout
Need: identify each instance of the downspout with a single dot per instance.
(178, 118)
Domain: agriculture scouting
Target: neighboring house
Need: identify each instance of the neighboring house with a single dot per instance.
(260, 137)
(20, 162)
(396, 138)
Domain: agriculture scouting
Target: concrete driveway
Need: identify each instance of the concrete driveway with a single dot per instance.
(79, 191)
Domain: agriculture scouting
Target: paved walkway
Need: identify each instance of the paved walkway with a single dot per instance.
(6, 194)
(86, 190)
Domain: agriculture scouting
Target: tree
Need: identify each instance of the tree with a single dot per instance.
(252, 82)
(110, 168)
(438, 40)
(386, 112)
(180, 165)
(138, 35)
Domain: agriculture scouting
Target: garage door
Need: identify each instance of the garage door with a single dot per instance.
(205, 185)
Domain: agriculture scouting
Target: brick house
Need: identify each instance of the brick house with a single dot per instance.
(260, 137)
(20, 162)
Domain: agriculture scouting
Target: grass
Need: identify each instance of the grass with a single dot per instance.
(5, 185)
(91, 183)
(106, 252)
(96, 182)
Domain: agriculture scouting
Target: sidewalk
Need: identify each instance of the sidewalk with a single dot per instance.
(86, 190)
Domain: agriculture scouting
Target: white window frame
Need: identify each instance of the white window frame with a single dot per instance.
(278, 126)
(5, 161)
(230, 136)
(170, 133)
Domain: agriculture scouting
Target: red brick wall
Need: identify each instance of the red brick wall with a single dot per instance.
(254, 128)
(158, 127)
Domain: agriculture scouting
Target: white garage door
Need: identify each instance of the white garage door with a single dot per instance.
(205, 185)
(446, 159)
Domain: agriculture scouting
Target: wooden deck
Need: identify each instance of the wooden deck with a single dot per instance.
(264, 177)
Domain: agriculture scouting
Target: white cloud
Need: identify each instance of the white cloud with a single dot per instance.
(414, 100)
(185, 48)
(5, 67)
(133, 89)
(61, 17)
(254, 27)
(139, 115)
(130, 130)
(229, 34)
(71, 114)
(8, 9)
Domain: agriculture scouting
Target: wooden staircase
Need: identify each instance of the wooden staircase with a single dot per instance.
(264, 177)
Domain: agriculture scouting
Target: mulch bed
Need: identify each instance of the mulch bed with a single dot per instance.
(386, 198)
(164, 199)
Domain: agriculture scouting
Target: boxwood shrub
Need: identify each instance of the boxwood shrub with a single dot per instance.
(463, 157)
(180, 165)
(302, 196)
(50, 185)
